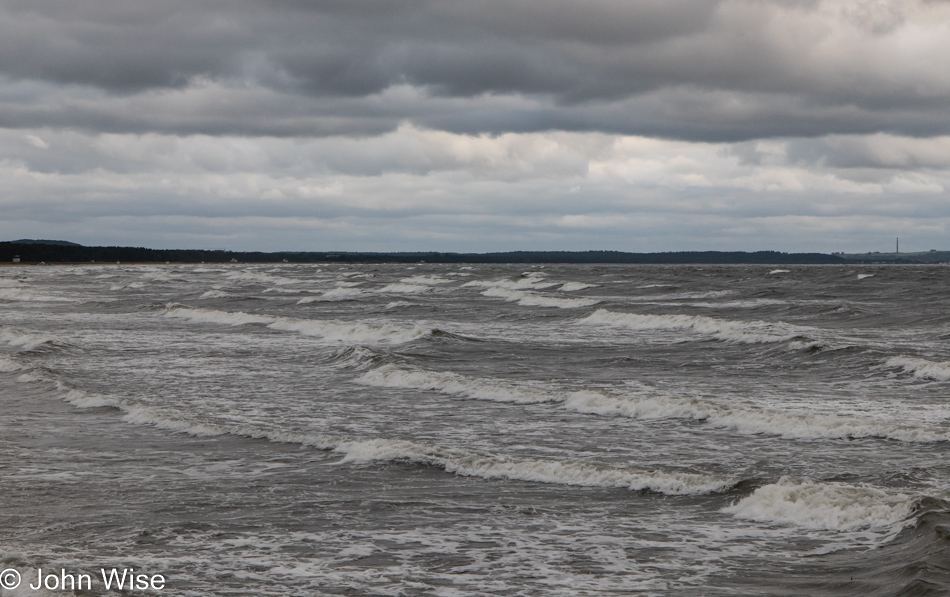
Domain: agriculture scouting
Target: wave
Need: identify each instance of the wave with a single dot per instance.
(425, 280)
(397, 304)
(824, 506)
(751, 419)
(213, 294)
(575, 286)
(747, 419)
(406, 288)
(8, 365)
(746, 332)
(528, 282)
(470, 463)
(26, 296)
(25, 341)
(865, 276)
(922, 368)
(531, 299)
(358, 357)
(779, 271)
(391, 376)
(328, 330)
(336, 294)
(459, 461)
(259, 278)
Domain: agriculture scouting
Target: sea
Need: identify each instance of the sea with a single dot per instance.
(455, 430)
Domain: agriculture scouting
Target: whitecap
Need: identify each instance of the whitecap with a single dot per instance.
(406, 288)
(336, 331)
(575, 286)
(749, 332)
(922, 368)
(824, 506)
(532, 299)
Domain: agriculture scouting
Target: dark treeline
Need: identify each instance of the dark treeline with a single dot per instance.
(36, 252)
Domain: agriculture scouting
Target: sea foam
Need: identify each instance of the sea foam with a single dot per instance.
(747, 332)
(744, 418)
(922, 368)
(532, 299)
(328, 330)
(830, 506)
(460, 461)
(470, 463)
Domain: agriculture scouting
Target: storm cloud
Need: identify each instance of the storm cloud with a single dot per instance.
(689, 69)
(468, 117)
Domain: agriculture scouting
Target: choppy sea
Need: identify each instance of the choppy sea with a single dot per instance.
(453, 430)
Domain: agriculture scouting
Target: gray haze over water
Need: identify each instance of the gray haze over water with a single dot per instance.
(479, 430)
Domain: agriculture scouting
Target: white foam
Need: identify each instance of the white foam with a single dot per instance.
(529, 282)
(748, 332)
(213, 294)
(863, 276)
(19, 294)
(830, 506)
(575, 286)
(779, 271)
(336, 294)
(488, 466)
(453, 460)
(922, 368)
(259, 278)
(744, 418)
(9, 365)
(425, 280)
(391, 376)
(24, 340)
(328, 330)
(397, 304)
(406, 288)
(753, 419)
(531, 299)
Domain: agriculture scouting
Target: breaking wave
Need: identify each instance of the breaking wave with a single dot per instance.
(528, 282)
(392, 376)
(531, 299)
(824, 506)
(470, 463)
(425, 280)
(752, 419)
(747, 332)
(575, 286)
(25, 341)
(922, 368)
(748, 419)
(401, 288)
(460, 461)
(336, 294)
(19, 294)
(328, 330)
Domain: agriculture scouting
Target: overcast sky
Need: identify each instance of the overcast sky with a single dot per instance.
(477, 125)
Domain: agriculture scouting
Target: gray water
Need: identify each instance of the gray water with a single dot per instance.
(479, 430)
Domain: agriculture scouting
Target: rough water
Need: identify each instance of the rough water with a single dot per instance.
(479, 430)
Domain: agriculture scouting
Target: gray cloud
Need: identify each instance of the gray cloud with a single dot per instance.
(688, 69)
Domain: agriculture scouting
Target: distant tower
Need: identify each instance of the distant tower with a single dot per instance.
(898, 249)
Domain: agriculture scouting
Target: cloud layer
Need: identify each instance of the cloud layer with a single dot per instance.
(477, 124)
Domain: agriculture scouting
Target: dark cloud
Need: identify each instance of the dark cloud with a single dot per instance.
(690, 69)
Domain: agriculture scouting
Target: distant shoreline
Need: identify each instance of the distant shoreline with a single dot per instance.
(60, 252)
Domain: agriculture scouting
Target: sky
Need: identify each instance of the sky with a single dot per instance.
(477, 125)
